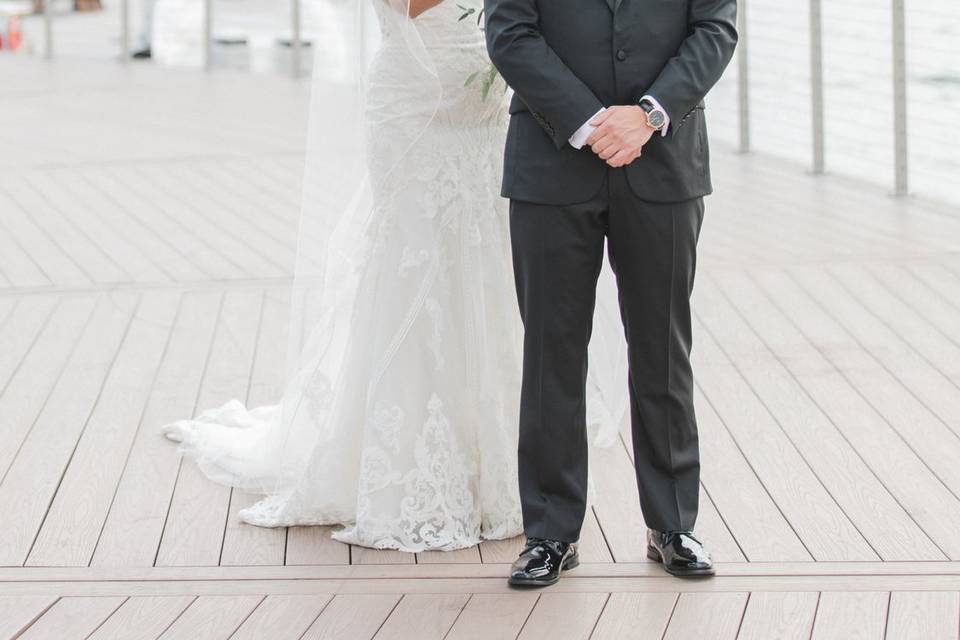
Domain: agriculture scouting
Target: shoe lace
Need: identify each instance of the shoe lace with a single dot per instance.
(538, 542)
(688, 534)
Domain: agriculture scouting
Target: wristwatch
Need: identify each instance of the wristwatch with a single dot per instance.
(656, 118)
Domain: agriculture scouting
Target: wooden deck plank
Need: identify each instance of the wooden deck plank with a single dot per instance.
(281, 618)
(821, 524)
(188, 217)
(365, 555)
(189, 225)
(617, 505)
(109, 207)
(183, 252)
(132, 531)
(929, 438)
(352, 616)
(197, 518)
(638, 616)
(133, 264)
(784, 616)
(747, 508)
(711, 527)
(601, 582)
(862, 496)
(268, 182)
(836, 204)
(95, 264)
(43, 332)
(930, 303)
(422, 617)
(247, 238)
(32, 480)
(142, 618)
(819, 229)
(270, 361)
(313, 546)
(20, 322)
(72, 618)
(920, 571)
(851, 615)
(262, 221)
(77, 514)
(935, 509)
(275, 196)
(17, 268)
(214, 617)
(714, 531)
(593, 545)
(926, 384)
(843, 294)
(502, 551)
(706, 615)
(17, 613)
(51, 260)
(921, 319)
(244, 544)
(493, 616)
(933, 615)
(939, 279)
(571, 616)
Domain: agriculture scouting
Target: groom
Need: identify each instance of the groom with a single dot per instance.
(607, 140)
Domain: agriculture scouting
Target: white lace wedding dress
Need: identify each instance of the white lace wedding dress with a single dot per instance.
(408, 437)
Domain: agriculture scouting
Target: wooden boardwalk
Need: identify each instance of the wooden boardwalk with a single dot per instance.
(147, 227)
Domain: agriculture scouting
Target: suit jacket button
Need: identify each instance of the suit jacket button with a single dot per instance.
(621, 55)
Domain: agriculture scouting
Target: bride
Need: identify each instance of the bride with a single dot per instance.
(399, 416)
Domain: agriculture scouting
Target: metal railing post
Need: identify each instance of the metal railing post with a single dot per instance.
(816, 86)
(125, 30)
(743, 79)
(296, 44)
(900, 150)
(48, 29)
(208, 34)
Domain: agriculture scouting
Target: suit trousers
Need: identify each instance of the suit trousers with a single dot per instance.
(558, 255)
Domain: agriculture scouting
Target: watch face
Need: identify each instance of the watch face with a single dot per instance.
(656, 119)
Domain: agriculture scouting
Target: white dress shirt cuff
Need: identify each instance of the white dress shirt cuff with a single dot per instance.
(579, 137)
(657, 105)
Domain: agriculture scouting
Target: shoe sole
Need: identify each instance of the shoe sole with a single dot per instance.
(573, 563)
(654, 555)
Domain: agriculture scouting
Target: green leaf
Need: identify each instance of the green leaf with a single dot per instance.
(471, 78)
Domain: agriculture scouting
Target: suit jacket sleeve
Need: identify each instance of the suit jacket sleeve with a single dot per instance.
(557, 98)
(700, 60)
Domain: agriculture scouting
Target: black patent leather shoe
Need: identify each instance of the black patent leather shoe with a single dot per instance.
(542, 561)
(681, 554)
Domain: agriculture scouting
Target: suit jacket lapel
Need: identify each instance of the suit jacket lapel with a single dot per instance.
(613, 4)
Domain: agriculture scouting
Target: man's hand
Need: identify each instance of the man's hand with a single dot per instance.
(620, 134)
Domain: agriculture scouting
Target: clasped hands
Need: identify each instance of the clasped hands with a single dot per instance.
(620, 134)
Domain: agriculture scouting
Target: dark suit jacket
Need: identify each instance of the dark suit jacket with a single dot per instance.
(565, 59)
